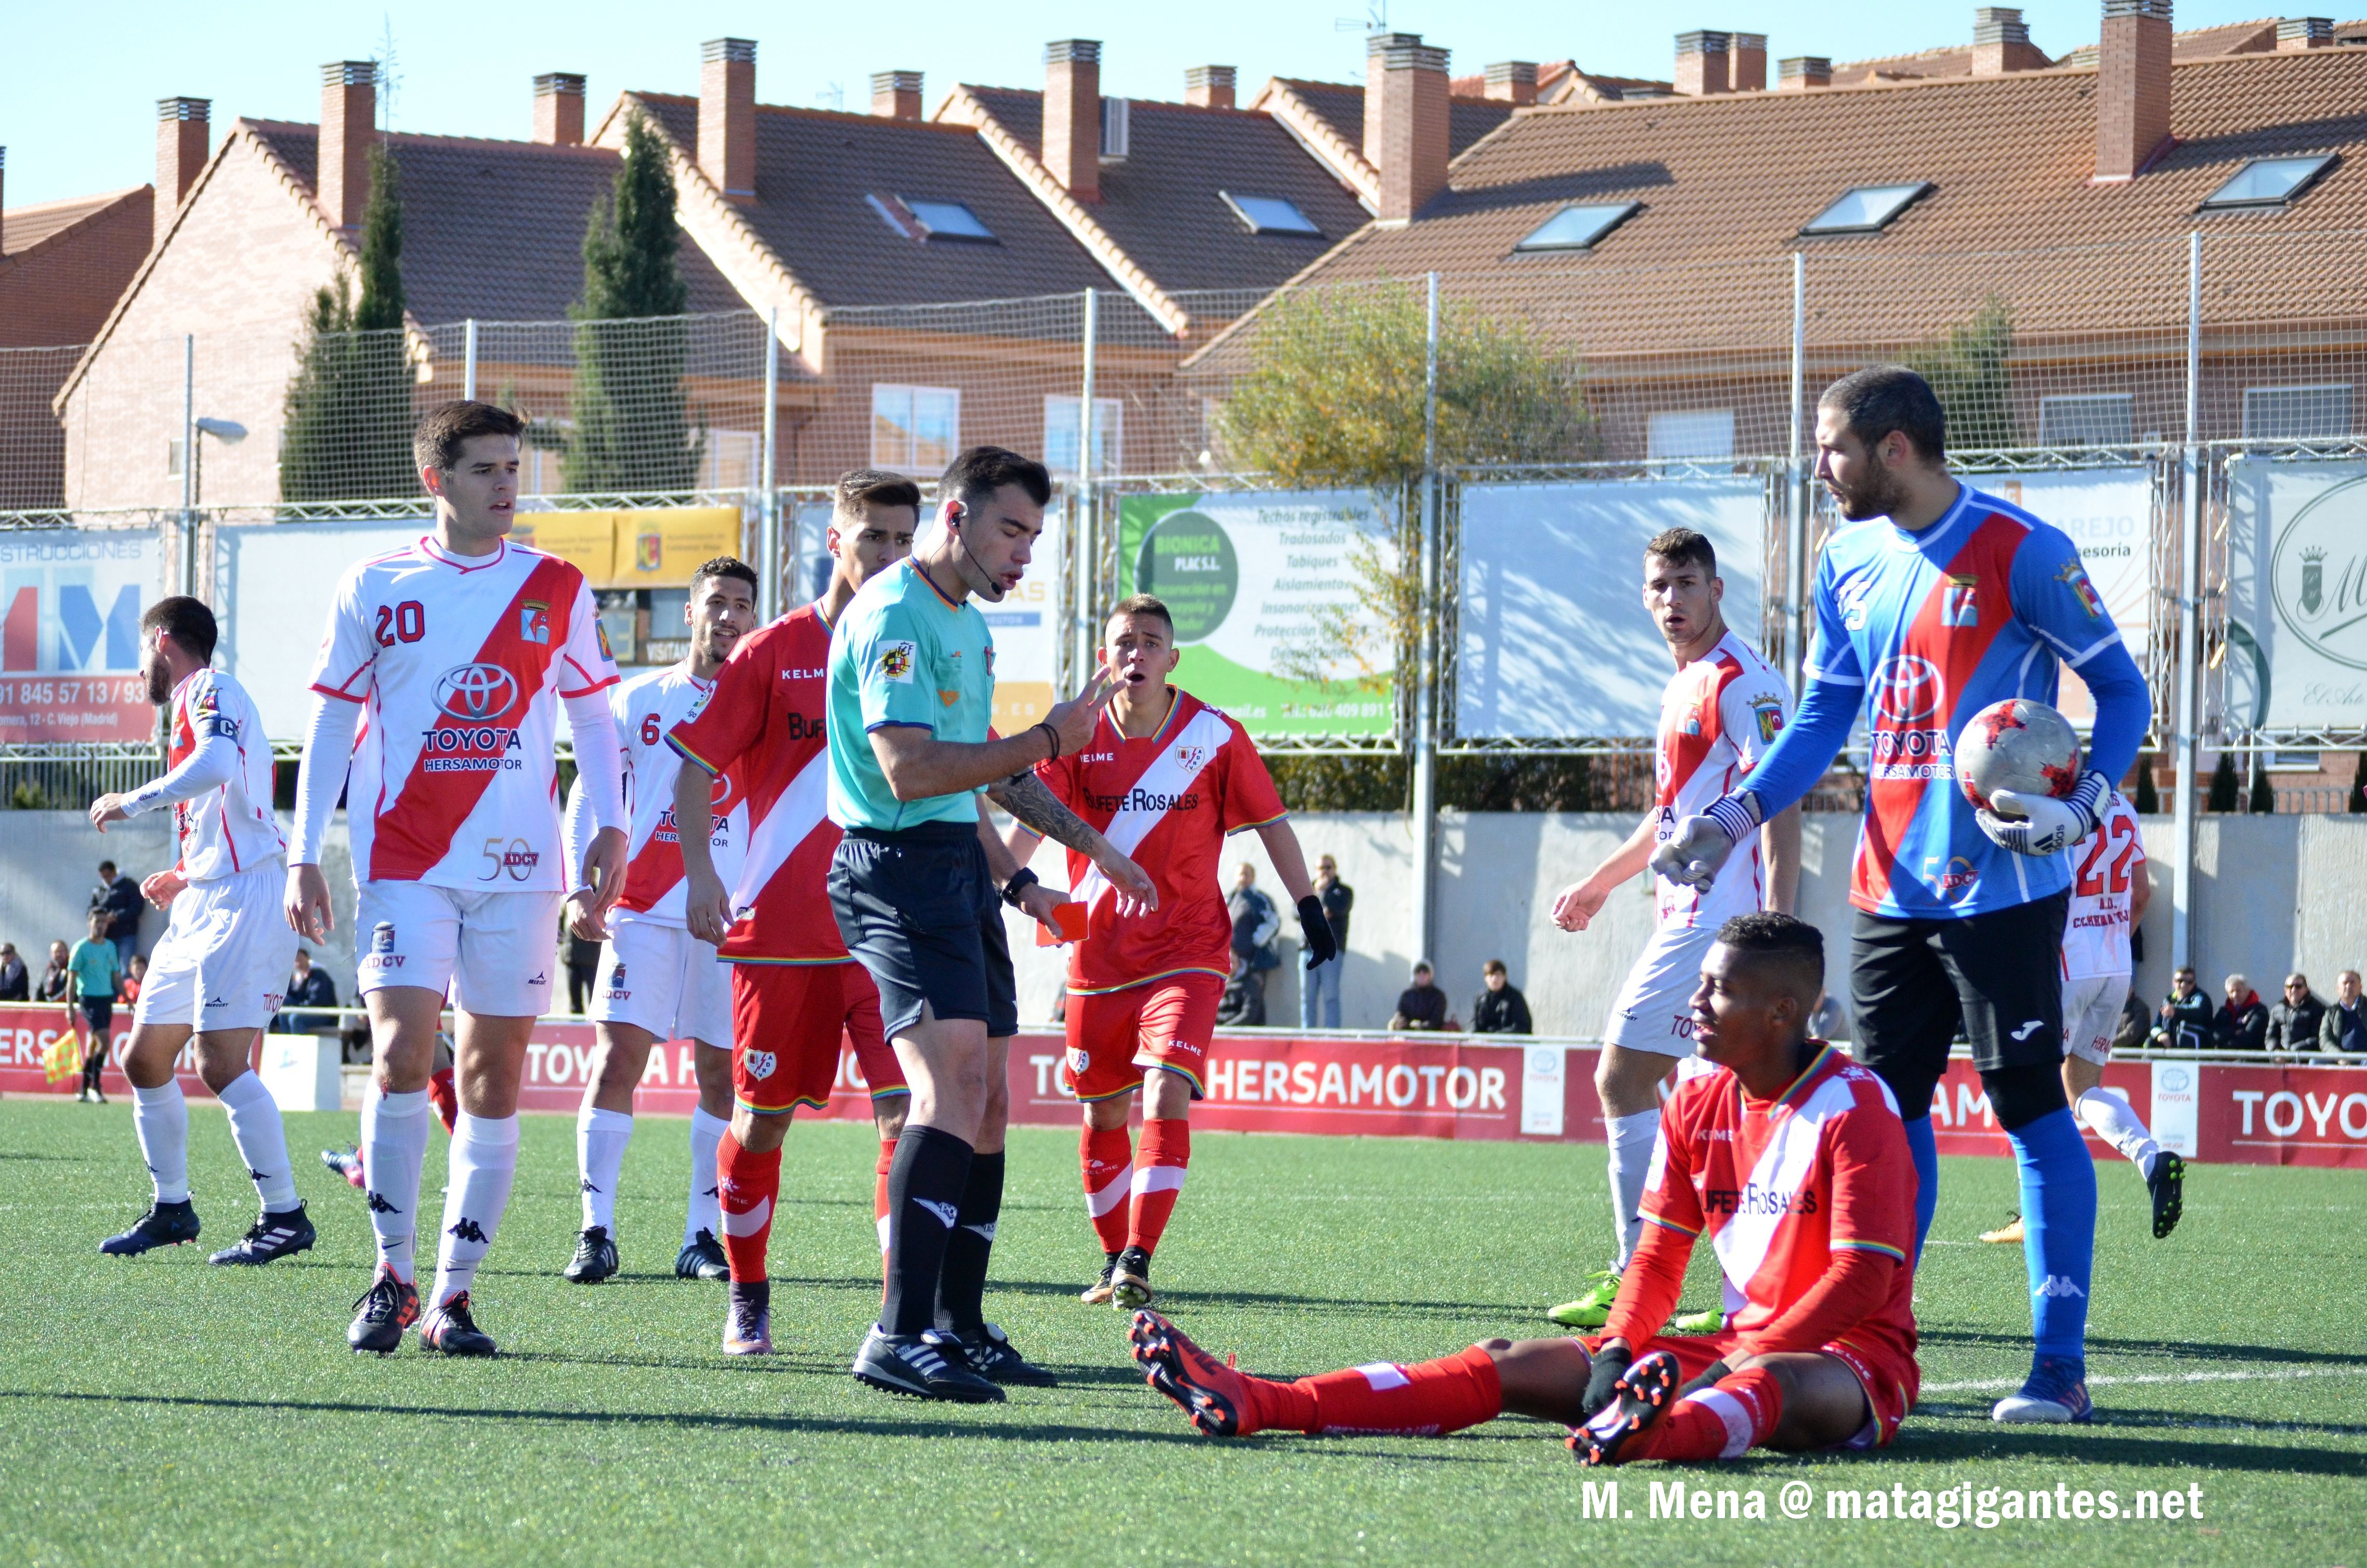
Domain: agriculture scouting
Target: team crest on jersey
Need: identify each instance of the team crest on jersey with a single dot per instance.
(1959, 602)
(2075, 576)
(1692, 725)
(1769, 710)
(896, 662)
(1189, 758)
(534, 623)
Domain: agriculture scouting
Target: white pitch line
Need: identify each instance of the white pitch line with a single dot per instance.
(2283, 1374)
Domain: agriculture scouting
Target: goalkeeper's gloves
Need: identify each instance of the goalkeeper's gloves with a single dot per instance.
(1315, 932)
(1692, 855)
(1603, 1384)
(2041, 825)
(1709, 1376)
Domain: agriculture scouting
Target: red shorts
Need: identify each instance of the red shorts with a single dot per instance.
(1891, 1382)
(787, 1022)
(1114, 1035)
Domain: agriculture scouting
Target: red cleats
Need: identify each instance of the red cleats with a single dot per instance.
(1646, 1391)
(1218, 1400)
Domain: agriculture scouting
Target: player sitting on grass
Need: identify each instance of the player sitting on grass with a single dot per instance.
(1792, 1161)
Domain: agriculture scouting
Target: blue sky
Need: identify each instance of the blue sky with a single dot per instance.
(78, 83)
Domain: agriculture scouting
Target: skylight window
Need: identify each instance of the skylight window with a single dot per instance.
(1866, 210)
(1270, 214)
(1578, 226)
(2269, 182)
(918, 220)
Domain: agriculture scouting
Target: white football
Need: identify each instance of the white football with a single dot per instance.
(2020, 745)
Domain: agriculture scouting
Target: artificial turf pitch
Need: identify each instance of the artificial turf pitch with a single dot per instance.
(157, 1410)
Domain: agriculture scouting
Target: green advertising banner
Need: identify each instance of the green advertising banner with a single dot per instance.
(1268, 590)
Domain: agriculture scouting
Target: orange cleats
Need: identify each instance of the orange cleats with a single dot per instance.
(1646, 1391)
(1220, 1401)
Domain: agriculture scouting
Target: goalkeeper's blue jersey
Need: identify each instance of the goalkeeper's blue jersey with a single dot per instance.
(1931, 628)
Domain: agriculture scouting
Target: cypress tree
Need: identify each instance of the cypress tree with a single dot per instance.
(2359, 785)
(2225, 787)
(2148, 800)
(632, 423)
(2263, 801)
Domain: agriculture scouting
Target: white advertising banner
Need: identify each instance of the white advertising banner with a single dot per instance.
(1554, 639)
(2108, 512)
(272, 586)
(69, 606)
(2296, 656)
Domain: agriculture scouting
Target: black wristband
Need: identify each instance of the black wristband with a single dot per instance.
(1021, 880)
(1051, 735)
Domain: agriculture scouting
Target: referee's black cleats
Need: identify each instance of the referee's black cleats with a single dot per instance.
(2167, 1185)
(450, 1329)
(990, 1353)
(595, 1258)
(928, 1365)
(269, 1239)
(1645, 1390)
(386, 1309)
(164, 1225)
(702, 1258)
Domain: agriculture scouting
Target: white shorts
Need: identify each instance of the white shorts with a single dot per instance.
(1655, 1009)
(224, 957)
(493, 953)
(2091, 1015)
(663, 979)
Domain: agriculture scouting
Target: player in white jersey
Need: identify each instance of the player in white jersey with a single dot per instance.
(1724, 707)
(452, 654)
(657, 982)
(223, 960)
(2110, 887)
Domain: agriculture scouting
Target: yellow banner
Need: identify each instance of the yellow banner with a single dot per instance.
(657, 547)
(586, 541)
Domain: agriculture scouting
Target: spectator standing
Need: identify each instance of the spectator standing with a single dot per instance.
(1499, 1008)
(97, 973)
(583, 969)
(16, 984)
(120, 896)
(1423, 1006)
(1255, 923)
(2241, 1023)
(308, 987)
(2344, 1028)
(2295, 1021)
(2184, 1021)
(57, 981)
(1319, 986)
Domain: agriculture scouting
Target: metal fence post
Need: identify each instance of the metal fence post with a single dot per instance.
(1085, 544)
(1425, 693)
(1795, 612)
(2189, 618)
(188, 573)
(768, 495)
(469, 360)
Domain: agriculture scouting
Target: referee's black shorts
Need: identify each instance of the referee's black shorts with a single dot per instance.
(919, 909)
(1912, 982)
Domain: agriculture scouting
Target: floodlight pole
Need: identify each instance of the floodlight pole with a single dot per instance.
(1425, 691)
(2189, 619)
(188, 573)
(1795, 613)
(469, 360)
(768, 499)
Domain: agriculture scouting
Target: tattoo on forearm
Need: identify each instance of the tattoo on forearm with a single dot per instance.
(1025, 797)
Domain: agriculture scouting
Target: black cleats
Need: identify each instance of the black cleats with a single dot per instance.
(748, 1319)
(1645, 1390)
(1097, 1294)
(2167, 1185)
(989, 1352)
(1129, 1280)
(595, 1258)
(450, 1329)
(270, 1238)
(702, 1258)
(926, 1366)
(164, 1225)
(386, 1309)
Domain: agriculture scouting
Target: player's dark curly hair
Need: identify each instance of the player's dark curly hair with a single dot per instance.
(730, 566)
(435, 442)
(188, 622)
(1882, 398)
(1780, 941)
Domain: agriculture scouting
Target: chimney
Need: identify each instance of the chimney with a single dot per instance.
(1377, 87)
(1208, 86)
(1072, 115)
(1513, 82)
(2294, 33)
(181, 126)
(1803, 71)
(895, 95)
(348, 126)
(1414, 125)
(1745, 63)
(1701, 64)
(727, 115)
(559, 109)
(2132, 86)
(2001, 43)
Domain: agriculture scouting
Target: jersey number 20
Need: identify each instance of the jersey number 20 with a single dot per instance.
(405, 622)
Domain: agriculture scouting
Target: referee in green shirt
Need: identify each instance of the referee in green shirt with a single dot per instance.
(914, 886)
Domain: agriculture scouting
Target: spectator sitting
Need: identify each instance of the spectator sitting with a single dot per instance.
(2135, 1024)
(307, 987)
(2295, 1021)
(2184, 1021)
(120, 896)
(2344, 1027)
(1422, 1005)
(56, 979)
(1499, 1008)
(354, 1039)
(16, 984)
(2241, 1023)
(134, 977)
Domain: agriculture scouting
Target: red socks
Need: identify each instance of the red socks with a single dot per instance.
(1718, 1423)
(1106, 1154)
(445, 1097)
(748, 1184)
(1158, 1178)
(1423, 1401)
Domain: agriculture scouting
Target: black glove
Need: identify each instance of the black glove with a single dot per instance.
(1315, 931)
(1601, 1384)
(1710, 1374)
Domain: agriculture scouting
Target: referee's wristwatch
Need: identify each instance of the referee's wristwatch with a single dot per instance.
(1021, 880)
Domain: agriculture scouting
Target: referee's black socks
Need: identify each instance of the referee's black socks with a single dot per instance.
(961, 1286)
(927, 1183)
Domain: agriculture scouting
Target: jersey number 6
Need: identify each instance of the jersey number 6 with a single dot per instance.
(650, 736)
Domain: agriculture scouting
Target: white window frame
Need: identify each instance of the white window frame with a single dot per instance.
(2068, 405)
(2265, 394)
(899, 446)
(1060, 413)
(1660, 449)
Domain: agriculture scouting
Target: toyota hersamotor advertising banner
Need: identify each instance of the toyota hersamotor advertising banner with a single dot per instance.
(70, 634)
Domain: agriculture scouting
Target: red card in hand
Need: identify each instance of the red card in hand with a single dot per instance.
(1071, 919)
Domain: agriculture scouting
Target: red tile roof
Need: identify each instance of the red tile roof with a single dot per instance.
(22, 228)
(1341, 104)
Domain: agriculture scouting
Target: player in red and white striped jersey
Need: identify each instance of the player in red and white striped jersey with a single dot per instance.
(1722, 708)
(795, 990)
(452, 656)
(223, 960)
(1165, 778)
(657, 982)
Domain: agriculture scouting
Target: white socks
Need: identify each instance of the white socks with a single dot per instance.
(484, 1158)
(160, 1117)
(1631, 1157)
(394, 1146)
(262, 1142)
(600, 1139)
(705, 1208)
(2109, 1116)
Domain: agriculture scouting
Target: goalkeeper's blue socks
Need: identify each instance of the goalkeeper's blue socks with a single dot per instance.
(2058, 1222)
(1925, 1148)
